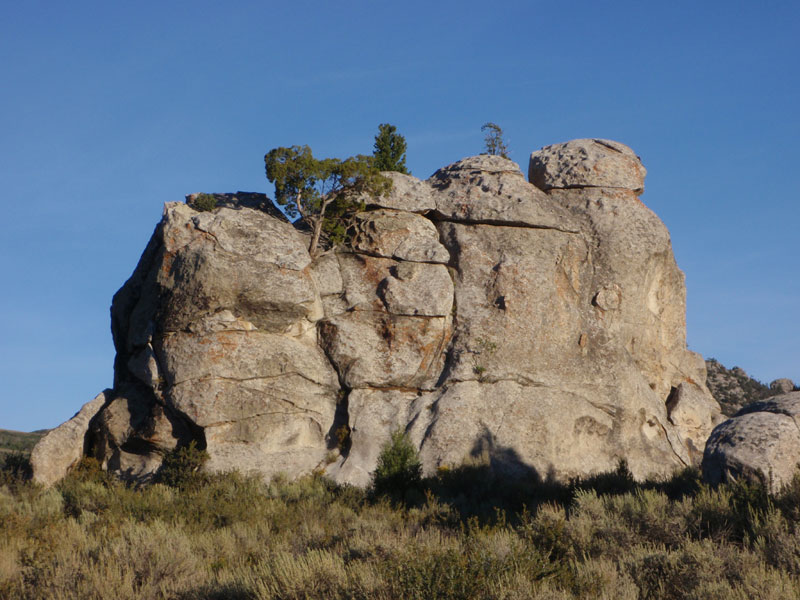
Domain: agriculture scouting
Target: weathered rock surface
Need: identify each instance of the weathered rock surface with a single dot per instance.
(760, 443)
(399, 235)
(492, 190)
(216, 342)
(61, 448)
(543, 328)
(691, 409)
(133, 431)
(408, 194)
(587, 163)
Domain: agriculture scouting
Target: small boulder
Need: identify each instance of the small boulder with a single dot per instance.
(586, 163)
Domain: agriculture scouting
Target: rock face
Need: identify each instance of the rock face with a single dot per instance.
(540, 326)
(760, 443)
(61, 448)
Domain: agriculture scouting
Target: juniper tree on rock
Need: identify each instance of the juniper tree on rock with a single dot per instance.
(390, 149)
(322, 192)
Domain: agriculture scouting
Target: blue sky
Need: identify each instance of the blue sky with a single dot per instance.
(110, 109)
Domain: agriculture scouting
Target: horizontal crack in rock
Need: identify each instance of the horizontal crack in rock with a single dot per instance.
(496, 223)
(242, 379)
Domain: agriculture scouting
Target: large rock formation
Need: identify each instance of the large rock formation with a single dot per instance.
(478, 312)
(760, 443)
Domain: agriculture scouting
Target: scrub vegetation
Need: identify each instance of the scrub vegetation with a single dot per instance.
(466, 533)
(18, 441)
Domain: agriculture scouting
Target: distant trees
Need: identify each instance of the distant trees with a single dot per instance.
(495, 144)
(390, 149)
(322, 191)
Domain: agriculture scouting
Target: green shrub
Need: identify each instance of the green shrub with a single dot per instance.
(204, 202)
(343, 439)
(399, 469)
(183, 466)
(17, 465)
(390, 149)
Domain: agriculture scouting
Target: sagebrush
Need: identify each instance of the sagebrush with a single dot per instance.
(469, 534)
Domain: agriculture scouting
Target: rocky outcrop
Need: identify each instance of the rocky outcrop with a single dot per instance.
(760, 443)
(734, 388)
(540, 326)
(783, 385)
(223, 306)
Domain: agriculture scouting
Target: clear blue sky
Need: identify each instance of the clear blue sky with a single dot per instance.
(110, 109)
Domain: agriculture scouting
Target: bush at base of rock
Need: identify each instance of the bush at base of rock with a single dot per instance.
(399, 469)
(183, 466)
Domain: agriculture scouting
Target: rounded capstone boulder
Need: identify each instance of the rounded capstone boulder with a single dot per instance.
(586, 163)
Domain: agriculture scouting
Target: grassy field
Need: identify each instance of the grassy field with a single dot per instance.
(466, 533)
(18, 441)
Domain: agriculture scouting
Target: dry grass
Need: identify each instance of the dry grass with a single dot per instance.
(236, 537)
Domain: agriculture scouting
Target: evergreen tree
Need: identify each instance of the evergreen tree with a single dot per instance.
(399, 468)
(390, 149)
(321, 191)
(495, 144)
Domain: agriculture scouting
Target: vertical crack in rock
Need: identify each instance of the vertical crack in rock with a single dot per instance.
(338, 435)
(672, 445)
(671, 402)
(449, 351)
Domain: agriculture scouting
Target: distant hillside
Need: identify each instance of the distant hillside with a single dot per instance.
(734, 388)
(18, 441)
